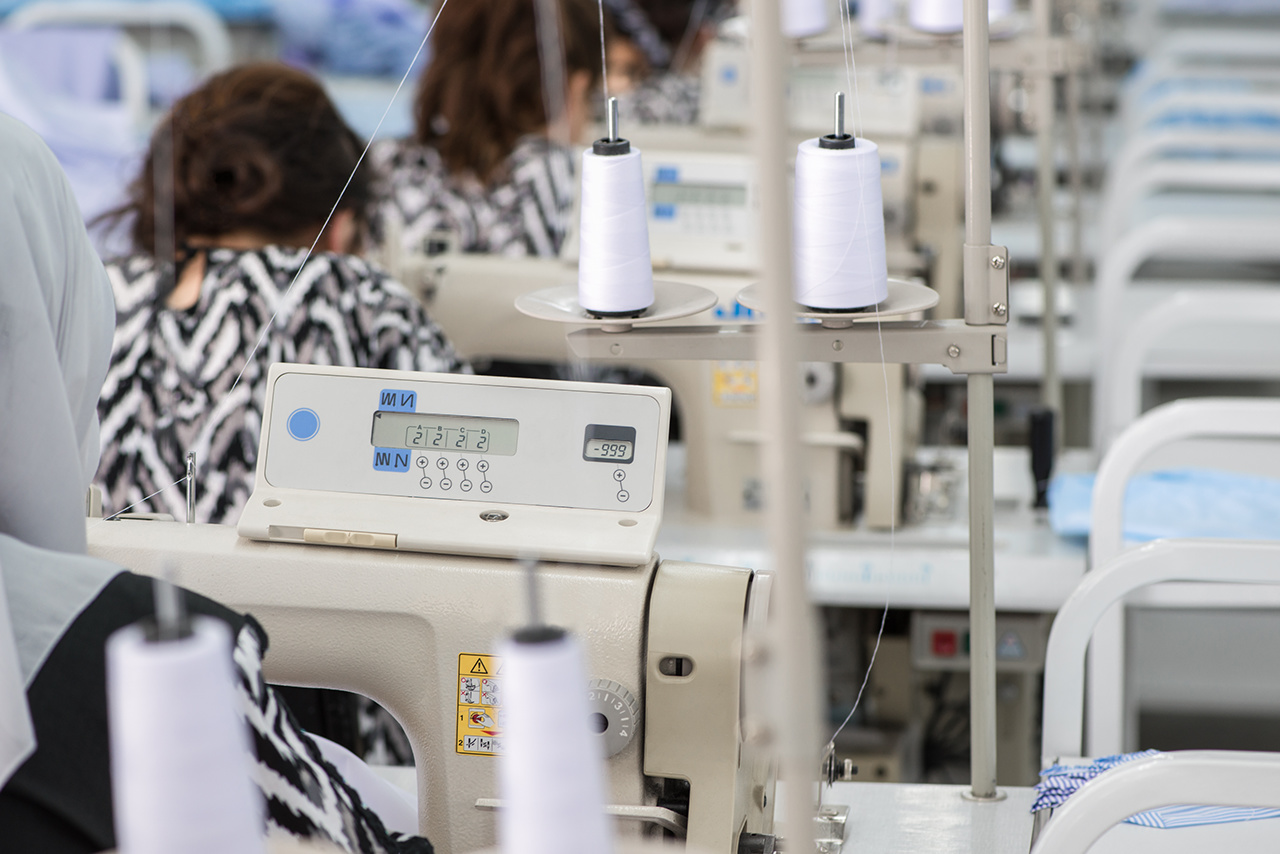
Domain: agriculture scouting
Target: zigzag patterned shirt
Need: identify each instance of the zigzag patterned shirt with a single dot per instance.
(526, 213)
(172, 386)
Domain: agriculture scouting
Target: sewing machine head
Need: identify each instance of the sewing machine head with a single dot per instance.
(446, 486)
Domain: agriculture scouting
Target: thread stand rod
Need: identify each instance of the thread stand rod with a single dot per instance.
(613, 119)
(839, 115)
(190, 484)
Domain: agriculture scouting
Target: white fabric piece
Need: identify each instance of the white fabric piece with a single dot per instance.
(393, 805)
(56, 321)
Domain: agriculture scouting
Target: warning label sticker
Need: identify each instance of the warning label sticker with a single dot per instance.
(479, 704)
(734, 383)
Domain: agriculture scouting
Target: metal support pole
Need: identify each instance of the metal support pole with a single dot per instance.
(982, 588)
(792, 636)
(1074, 93)
(978, 311)
(1046, 185)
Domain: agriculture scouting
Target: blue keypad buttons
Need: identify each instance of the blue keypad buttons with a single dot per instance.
(303, 424)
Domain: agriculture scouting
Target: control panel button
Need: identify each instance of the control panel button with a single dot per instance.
(482, 466)
(623, 495)
(486, 487)
(619, 475)
(944, 643)
(425, 483)
(462, 464)
(423, 462)
(303, 424)
(442, 464)
(465, 485)
(445, 483)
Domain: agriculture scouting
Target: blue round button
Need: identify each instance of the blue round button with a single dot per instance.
(304, 424)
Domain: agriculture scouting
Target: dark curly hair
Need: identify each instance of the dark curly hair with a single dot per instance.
(483, 89)
(259, 148)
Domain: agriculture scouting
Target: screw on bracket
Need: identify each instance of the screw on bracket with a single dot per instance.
(1000, 309)
(953, 351)
(997, 262)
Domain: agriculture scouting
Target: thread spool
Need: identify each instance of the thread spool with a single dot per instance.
(936, 16)
(615, 275)
(839, 223)
(998, 10)
(872, 15)
(804, 18)
(549, 738)
(179, 751)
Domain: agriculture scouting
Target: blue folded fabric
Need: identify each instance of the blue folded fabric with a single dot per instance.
(230, 10)
(1188, 502)
(1060, 782)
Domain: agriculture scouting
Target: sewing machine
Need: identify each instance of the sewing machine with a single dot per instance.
(384, 550)
(913, 113)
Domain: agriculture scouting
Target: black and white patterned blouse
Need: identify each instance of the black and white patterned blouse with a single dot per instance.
(305, 794)
(183, 380)
(665, 98)
(59, 800)
(525, 213)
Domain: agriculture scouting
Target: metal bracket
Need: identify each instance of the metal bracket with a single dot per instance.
(1032, 55)
(957, 346)
(986, 285)
(829, 828)
(661, 816)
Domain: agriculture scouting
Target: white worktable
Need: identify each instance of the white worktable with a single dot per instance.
(896, 818)
(918, 566)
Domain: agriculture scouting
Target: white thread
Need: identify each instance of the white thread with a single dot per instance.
(604, 66)
(851, 69)
(179, 749)
(552, 769)
(839, 227)
(615, 275)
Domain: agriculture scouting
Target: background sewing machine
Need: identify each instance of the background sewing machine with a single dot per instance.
(446, 486)
(701, 212)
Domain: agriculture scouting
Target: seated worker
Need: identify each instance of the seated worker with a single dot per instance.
(482, 164)
(57, 605)
(654, 56)
(211, 299)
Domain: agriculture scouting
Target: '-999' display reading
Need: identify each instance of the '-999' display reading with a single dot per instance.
(459, 433)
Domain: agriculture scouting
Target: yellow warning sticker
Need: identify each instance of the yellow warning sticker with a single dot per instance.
(734, 383)
(479, 704)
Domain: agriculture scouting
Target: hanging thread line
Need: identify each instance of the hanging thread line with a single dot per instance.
(851, 74)
(311, 250)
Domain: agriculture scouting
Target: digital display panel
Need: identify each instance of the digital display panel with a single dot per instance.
(460, 433)
(603, 449)
(609, 443)
(717, 195)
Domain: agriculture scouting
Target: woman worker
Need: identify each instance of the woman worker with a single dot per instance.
(57, 605)
(211, 298)
(482, 164)
(655, 54)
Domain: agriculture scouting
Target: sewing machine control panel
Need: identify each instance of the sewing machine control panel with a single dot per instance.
(701, 210)
(423, 461)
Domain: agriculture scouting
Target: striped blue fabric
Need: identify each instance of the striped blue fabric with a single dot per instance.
(1060, 782)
